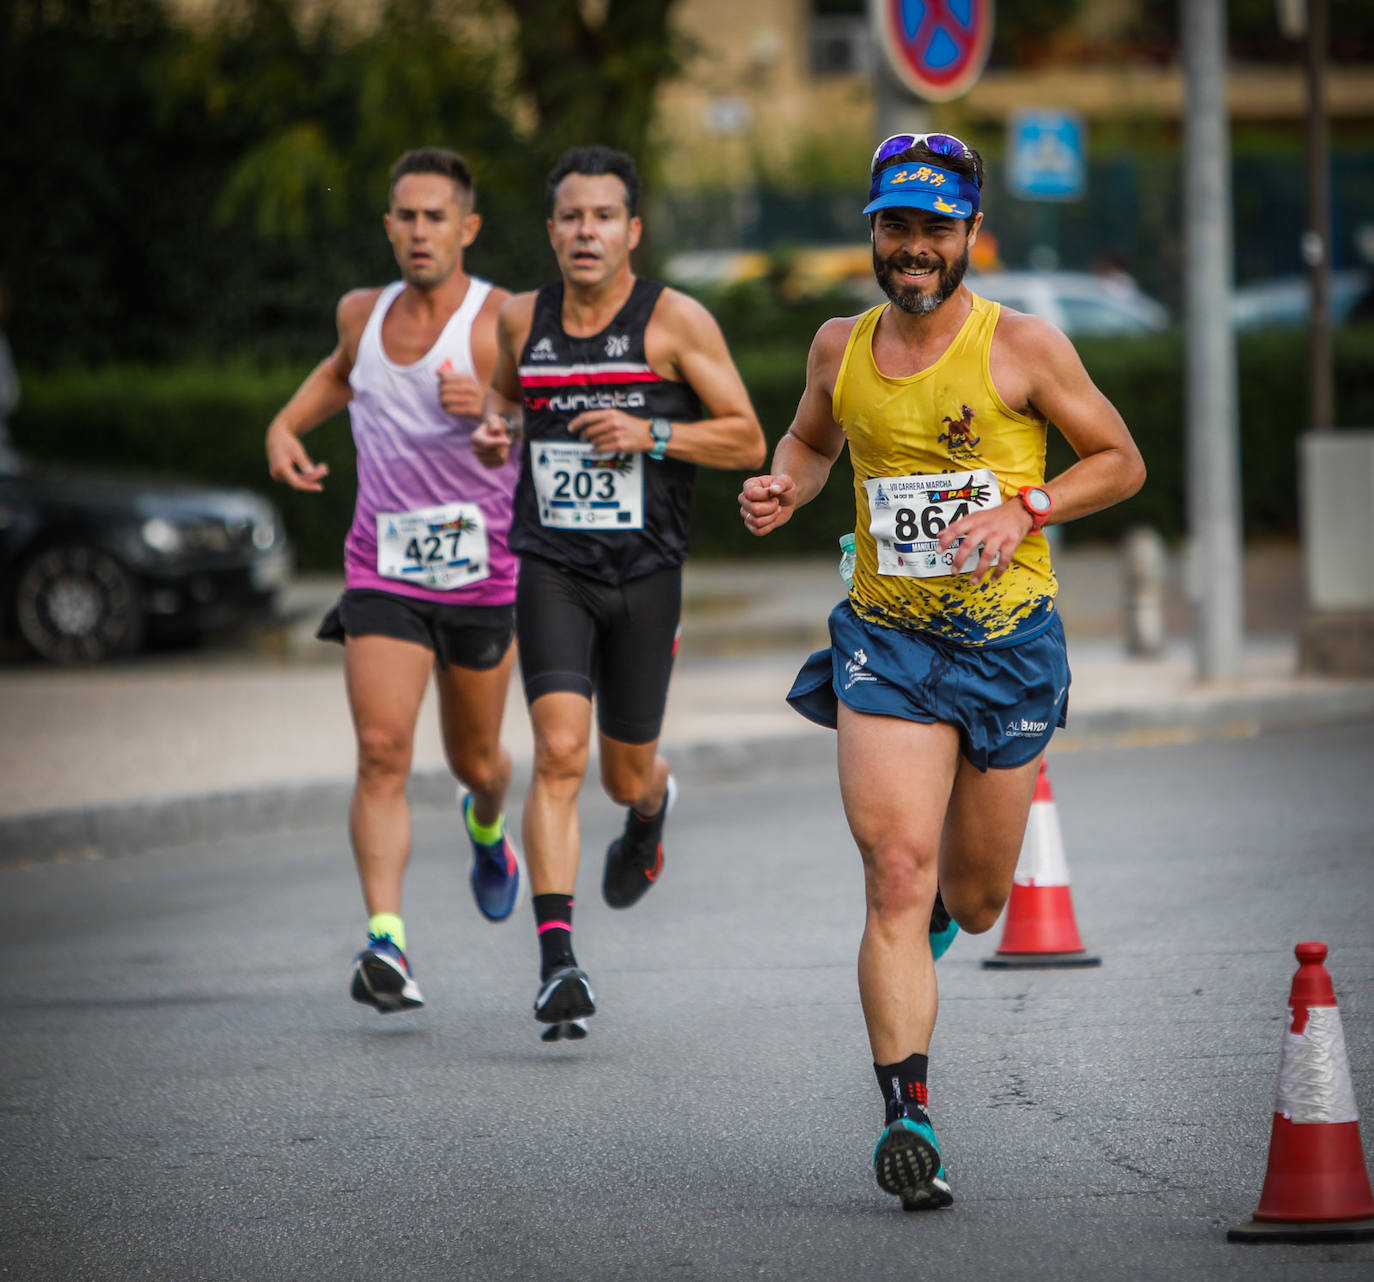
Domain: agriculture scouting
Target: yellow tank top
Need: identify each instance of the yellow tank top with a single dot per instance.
(946, 419)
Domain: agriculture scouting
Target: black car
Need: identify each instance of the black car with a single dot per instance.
(94, 566)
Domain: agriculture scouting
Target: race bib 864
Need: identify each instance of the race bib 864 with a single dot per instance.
(907, 513)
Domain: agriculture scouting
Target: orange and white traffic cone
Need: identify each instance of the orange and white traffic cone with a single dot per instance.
(1040, 929)
(1316, 1188)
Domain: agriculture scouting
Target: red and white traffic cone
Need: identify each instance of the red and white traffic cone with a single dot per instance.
(1316, 1188)
(1040, 929)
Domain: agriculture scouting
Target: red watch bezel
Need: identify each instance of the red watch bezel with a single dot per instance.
(1038, 519)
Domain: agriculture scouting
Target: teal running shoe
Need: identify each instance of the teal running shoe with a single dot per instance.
(907, 1165)
(495, 872)
(943, 928)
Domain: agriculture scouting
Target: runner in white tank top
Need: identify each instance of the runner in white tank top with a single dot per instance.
(413, 455)
(430, 578)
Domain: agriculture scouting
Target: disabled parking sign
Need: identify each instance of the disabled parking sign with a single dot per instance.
(936, 48)
(1046, 150)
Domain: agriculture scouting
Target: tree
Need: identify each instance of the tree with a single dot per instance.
(213, 187)
(592, 71)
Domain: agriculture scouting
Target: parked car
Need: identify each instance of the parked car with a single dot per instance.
(715, 268)
(1281, 302)
(1079, 303)
(94, 566)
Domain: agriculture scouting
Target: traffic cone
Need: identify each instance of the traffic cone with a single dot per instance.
(1040, 929)
(1316, 1188)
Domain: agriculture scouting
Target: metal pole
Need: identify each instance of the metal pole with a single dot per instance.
(896, 110)
(1317, 239)
(1213, 434)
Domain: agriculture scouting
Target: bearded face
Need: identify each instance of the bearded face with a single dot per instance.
(919, 284)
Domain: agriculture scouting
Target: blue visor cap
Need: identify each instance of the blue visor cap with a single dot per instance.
(923, 187)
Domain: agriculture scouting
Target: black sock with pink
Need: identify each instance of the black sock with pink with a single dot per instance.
(553, 920)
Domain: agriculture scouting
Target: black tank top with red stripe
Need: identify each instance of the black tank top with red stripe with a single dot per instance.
(562, 377)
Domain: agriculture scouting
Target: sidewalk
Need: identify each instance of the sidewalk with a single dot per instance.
(257, 733)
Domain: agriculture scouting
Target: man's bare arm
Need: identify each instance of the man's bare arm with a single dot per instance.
(1034, 365)
(502, 407)
(808, 450)
(324, 393)
(463, 394)
(1109, 467)
(683, 334)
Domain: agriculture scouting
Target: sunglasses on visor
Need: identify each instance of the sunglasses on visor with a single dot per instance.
(940, 144)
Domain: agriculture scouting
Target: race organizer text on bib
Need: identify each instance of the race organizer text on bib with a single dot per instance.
(579, 489)
(907, 513)
(442, 547)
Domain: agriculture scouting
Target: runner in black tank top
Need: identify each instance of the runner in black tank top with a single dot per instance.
(562, 377)
(622, 388)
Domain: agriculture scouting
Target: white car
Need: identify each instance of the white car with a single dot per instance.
(1281, 302)
(1079, 303)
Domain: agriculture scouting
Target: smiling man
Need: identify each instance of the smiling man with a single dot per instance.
(947, 671)
(619, 389)
(429, 575)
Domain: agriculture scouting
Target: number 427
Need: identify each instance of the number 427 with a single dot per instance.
(430, 548)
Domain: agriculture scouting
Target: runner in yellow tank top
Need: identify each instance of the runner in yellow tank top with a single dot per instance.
(947, 672)
(947, 419)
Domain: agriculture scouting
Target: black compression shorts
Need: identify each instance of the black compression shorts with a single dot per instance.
(467, 636)
(586, 637)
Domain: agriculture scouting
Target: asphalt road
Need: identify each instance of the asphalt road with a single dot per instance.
(187, 1092)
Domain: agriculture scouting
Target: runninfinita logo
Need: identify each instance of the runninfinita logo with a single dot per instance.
(597, 401)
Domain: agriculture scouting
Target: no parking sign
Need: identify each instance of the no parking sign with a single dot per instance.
(936, 48)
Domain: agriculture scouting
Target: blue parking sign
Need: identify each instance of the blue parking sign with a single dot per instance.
(1047, 155)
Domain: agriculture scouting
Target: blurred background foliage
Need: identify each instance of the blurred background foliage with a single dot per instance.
(191, 189)
(186, 200)
(206, 419)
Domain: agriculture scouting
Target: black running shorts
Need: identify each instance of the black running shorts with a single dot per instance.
(467, 636)
(586, 637)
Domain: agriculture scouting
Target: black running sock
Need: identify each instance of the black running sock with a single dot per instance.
(553, 919)
(649, 821)
(904, 1088)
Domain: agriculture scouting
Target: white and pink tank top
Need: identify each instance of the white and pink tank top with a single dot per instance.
(431, 521)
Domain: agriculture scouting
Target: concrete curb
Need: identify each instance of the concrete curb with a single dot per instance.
(125, 828)
(107, 831)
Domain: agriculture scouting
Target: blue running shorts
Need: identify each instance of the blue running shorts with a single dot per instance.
(1005, 701)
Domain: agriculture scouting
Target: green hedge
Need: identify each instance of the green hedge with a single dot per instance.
(207, 423)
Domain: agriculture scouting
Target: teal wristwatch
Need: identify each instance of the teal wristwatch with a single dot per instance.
(662, 432)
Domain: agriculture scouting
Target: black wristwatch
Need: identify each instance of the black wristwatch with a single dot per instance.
(662, 432)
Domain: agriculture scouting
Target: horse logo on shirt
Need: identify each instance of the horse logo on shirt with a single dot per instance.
(959, 434)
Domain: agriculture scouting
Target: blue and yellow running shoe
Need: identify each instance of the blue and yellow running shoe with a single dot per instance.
(495, 872)
(907, 1165)
(943, 928)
